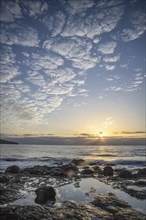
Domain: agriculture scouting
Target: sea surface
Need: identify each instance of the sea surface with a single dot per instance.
(30, 155)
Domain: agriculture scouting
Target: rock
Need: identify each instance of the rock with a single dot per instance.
(13, 169)
(37, 170)
(87, 171)
(125, 174)
(44, 194)
(108, 171)
(68, 211)
(4, 179)
(78, 162)
(97, 169)
(69, 169)
(140, 183)
(142, 173)
(118, 207)
(56, 172)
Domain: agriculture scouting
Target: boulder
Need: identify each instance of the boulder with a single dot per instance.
(13, 169)
(108, 171)
(87, 171)
(142, 172)
(69, 169)
(44, 194)
(125, 174)
(78, 162)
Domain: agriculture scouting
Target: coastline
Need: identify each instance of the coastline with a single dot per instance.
(83, 186)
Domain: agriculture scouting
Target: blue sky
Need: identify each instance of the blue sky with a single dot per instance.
(70, 67)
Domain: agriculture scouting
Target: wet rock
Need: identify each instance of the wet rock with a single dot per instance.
(87, 171)
(118, 207)
(4, 179)
(140, 183)
(125, 174)
(7, 194)
(56, 172)
(97, 169)
(13, 169)
(44, 194)
(78, 162)
(37, 170)
(142, 173)
(68, 211)
(108, 171)
(69, 169)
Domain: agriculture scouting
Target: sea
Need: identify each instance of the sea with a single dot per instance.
(29, 155)
(130, 157)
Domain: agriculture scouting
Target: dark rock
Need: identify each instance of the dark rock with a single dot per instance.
(87, 171)
(118, 207)
(13, 169)
(57, 172)
(4, 179)
(37, 170)
(142, 173)
(97, 169)
(108, 171)
(44, 194)
(140, 183)
(125, 174)
(69, 169)
(78, 162)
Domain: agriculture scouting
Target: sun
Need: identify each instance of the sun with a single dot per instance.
(101, 134)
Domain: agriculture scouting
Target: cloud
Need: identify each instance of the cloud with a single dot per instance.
(10, 11)
(111, 59)
(110, 67)
(138, 27)
(133, 132)
(107, 48)
(9, 69)
(92, 25)
(77, 7)
(17, 35)
(34, 8)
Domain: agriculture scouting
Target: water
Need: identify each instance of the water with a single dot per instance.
(29, 155)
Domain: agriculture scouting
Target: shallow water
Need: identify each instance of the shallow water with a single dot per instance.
(82, 191)
(29, 155)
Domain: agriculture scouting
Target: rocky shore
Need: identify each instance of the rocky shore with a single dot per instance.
(41, 184)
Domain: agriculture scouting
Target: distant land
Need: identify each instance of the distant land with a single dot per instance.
(7, 142)
(55, 140)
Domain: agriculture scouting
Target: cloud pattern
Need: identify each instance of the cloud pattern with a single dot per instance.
(49, 50)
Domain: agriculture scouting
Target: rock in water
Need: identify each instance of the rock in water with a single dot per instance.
(125, 174)
(108, 171)
(44, 194)
(13, 169)
(78, 162)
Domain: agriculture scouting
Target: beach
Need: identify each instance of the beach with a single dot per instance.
(86, 183)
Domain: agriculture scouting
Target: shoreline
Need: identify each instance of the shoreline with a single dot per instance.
(77, 181)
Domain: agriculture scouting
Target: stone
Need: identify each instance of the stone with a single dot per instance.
(117, 207)
(142, 172)
(78, 162)
(108, 171)
(44, 194)
(125, 174)
(4, 179)
(69, 169)
(13, 169)
(87, 171)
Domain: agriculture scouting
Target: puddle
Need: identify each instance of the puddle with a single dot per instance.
(82, 191)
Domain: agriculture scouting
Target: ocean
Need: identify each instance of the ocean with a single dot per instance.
(130, 157)
(30, 155)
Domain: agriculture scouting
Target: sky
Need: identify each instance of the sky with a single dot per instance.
(73, 68)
